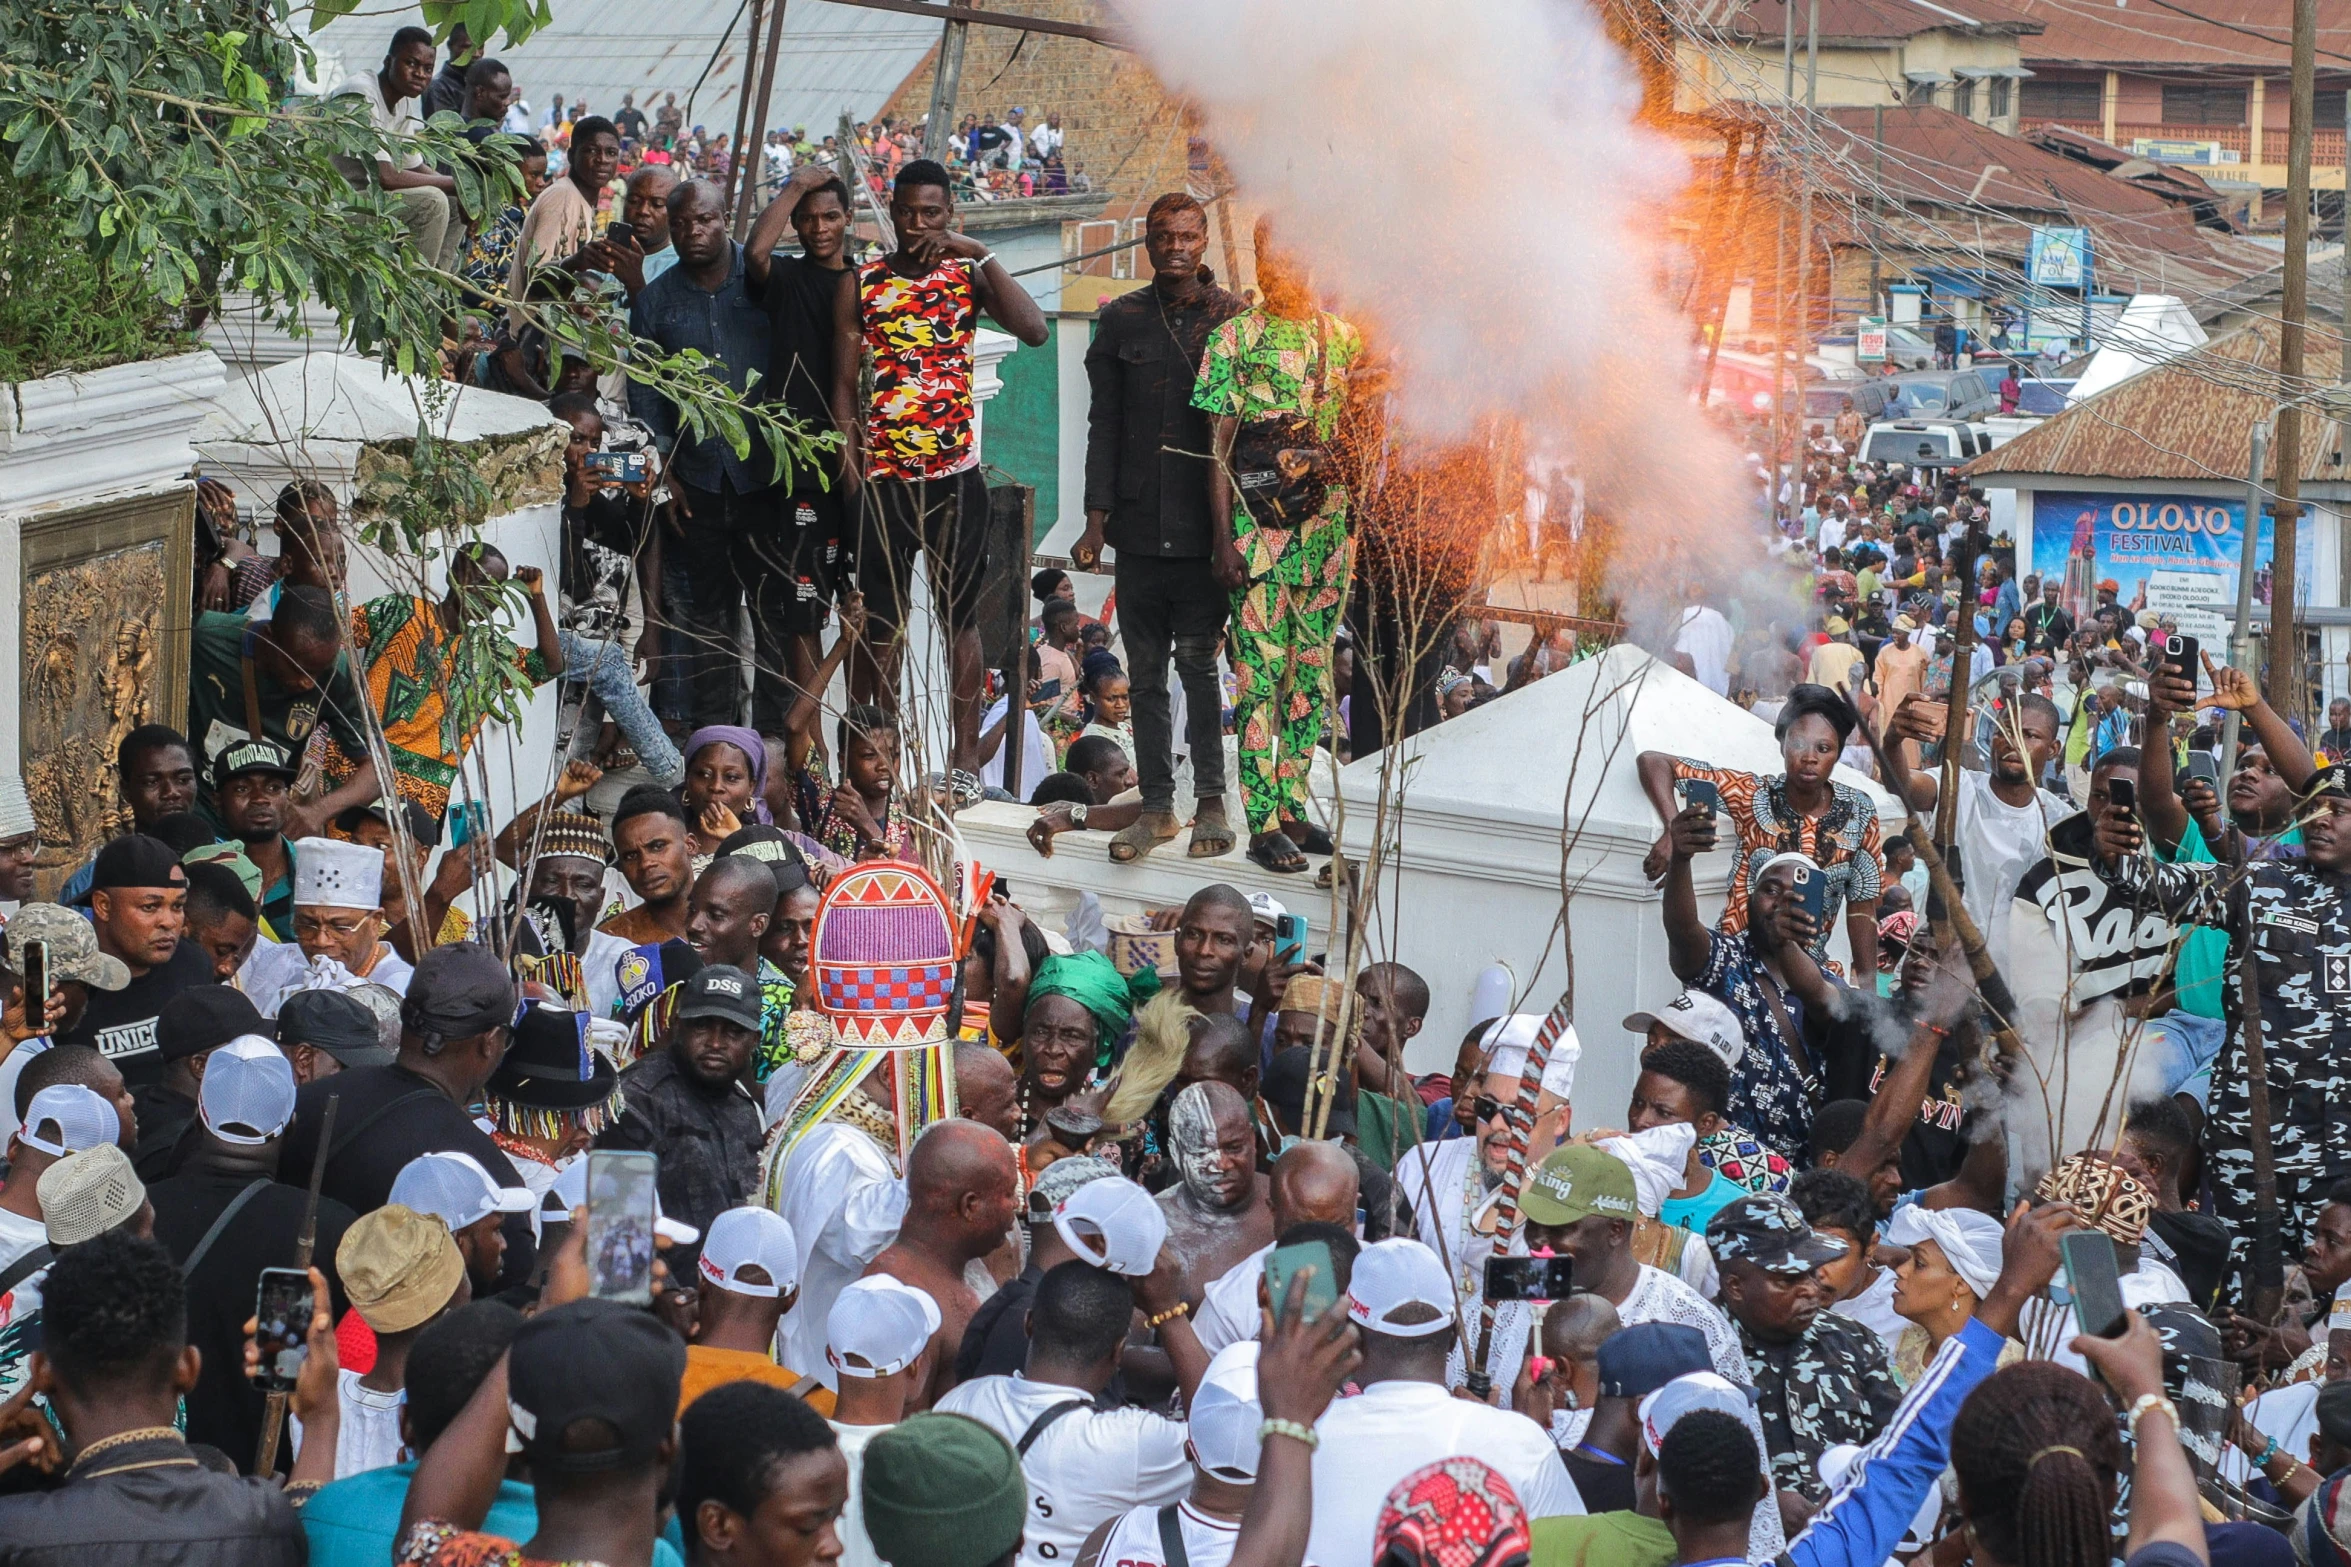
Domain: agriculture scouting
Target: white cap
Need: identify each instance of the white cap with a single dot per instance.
(456, 1190)
(1510, 1038)
(881, 1322)
(1659, 1157)
(751, 1238)
(570, 1192)
(16, 808)
(1265, 908)
(1225, 1414)
(248, 1085)
(86, 1194)
(1684, 1394)
(1700, 1018)
(1128, 1227)
(333, 875)
(1393, 1274)
(83, 1120)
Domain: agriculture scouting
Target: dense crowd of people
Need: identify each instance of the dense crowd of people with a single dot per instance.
(673, 1173)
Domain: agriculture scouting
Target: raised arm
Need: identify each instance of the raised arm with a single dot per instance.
(1919, 788)
(1008, 304)
(1688, 945)
(800, 724)
(1893, 1110)
(578, 777)
(776, 219)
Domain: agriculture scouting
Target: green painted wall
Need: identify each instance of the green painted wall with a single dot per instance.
(1024, 421)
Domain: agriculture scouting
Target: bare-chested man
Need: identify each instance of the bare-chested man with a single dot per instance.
(1218, 1212)
(1312, 1183)
(959, 1201)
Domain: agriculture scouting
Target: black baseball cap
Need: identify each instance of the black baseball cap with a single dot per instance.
(632, 1389)
(204, 1017)
(423, 825)
(339, 1024)
(721, 991)
(459, 990)
(252, 756)
(137, 860)
(762, 841)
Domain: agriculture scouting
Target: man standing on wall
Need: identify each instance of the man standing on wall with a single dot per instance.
(1147, 498)
(917, 312)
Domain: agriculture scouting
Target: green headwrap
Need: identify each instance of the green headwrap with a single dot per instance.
(1094, 982)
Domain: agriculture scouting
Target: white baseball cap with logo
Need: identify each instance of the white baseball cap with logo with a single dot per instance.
(1392, 1276)
(748, 1237)
(455, 1189)
(66, 1118)
(1114, 1225)
(1265, 909)
(878, 1327)
(247, 1095)
(1700, 1018)
(1225, 1416)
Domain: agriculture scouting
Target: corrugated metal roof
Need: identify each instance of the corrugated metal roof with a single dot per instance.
(2203, 35)
(834, 57)
(2191, 418)
(1844, 21)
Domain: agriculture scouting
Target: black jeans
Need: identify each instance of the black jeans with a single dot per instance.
(736, 551)
(1164, 607)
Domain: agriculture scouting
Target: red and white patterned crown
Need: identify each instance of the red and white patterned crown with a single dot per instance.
(884, 954)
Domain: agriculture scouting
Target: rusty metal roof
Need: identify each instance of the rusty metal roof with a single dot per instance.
(2191, 418)
(1848, 22)
(2216, 36)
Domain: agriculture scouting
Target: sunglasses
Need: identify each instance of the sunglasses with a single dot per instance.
(1485, 1107)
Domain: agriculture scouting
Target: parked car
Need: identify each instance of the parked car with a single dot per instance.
(1946, 394)
(1830, 399)
(1932, 444)
(2043, 396)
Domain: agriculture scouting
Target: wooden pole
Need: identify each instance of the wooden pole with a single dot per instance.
(944, 86)
(2285, 645)
(1963, 559)
(747, 155)
(743, 99)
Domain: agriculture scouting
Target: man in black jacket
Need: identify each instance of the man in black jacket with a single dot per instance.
(1147, 498)
(454, 1027)
(115, 1362)
(687, 1103)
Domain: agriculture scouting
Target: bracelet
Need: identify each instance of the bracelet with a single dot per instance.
(2156, 1401)
(1291, 1429)
(2267, 1454)
(1182, 1308)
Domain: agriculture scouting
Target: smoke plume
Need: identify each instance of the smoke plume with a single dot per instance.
(1467, 181)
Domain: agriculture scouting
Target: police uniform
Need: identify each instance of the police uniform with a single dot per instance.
(2288, 918)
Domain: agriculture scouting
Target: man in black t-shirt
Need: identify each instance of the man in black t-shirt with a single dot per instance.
(800, 294)
(630, 121)
(139, 904)
(455, 1023)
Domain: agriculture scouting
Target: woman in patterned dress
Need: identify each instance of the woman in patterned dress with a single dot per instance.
(1802, 811)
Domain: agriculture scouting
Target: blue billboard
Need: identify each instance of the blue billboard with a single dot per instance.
(2083, 538)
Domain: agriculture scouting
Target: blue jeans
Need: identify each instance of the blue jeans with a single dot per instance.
(604, 668)
(2181, 1047)
(673, 690)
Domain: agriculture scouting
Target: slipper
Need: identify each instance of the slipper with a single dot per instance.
(1278, 854)
(1309, 837)
(1136, 839)
(1211, 836)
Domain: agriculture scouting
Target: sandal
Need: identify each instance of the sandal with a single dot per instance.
(1140, 837)
(1276, 853)
(1212, 836)
(1308, 837)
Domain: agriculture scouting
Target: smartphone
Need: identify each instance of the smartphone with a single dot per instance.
(36, 986)
(469, 820)
(1322, 1287)
(1289, 939)
(620, 1225)
(1529, 1278)
(620, 467)
(281, 1327)
(2201, 765)
(2180, 651)
(1812, 893)
(2122, 794)
(621, 234)
(1047, 691)
(1701, 792)
(2095, 1280)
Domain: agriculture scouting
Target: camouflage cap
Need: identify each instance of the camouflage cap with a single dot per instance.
(72, 942)
(1767, 1229)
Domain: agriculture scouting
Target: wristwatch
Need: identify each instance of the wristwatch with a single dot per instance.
(1077, 817)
